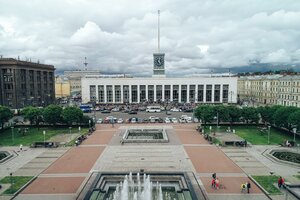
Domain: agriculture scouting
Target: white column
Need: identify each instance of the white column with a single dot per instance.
(105, 100)
(179, 94)
(213, 93)
(221, 93)
(122, 100)
(204, 93)
(146, 92)
(154, 93)
(171, 93)
(97, 95)
(196, 93)
(188, 93)
(113, 93)
(138, 93)
(163, 93)
(130, 97)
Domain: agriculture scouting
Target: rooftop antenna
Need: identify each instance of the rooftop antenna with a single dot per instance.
(158, 32)
(85, 63)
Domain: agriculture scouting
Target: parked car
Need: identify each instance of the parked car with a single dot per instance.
(110, 119)
(105, 111)
(167, 120)
(134, 120)
(99, 121)
(175, 110)
(120, 121)
(132, 112)
(116, 109)
(174, 120)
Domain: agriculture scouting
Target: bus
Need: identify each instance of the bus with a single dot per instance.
(153, 109)
(85, 108)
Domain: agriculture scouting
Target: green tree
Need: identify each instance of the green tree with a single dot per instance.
(5, 115)
(205, 113)
(294, 119)
(72, 115)
(265, 113)
(222, 113)
(282, 115)
(250, 114)
(234, 114)
(33, 114)
(52, 114)
(273, 110)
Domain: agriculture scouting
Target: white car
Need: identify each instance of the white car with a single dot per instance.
(167, 120)
(120, 121)
(175, 110)
(99, 121)
(133, 120)
(152, 119)
(189, 120)
(174, 120)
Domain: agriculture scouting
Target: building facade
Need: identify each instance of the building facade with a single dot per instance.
(110, 90)
(74, 77)
(270, 90)
(25, 83)
(62, 87)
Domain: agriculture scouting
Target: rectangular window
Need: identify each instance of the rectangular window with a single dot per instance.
(101, 93)
(208, 93)
(225, 93)
(134, 93)
(109, 93)
(158, 92)
(183, 93)
(126, 93)
(192, 93)
(92, 92)
(142, 93)
(200, 93)
(117, 93)
(175, 93)
(217, 93)
(150, 92)
(167, 92)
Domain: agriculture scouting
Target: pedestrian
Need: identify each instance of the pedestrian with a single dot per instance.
(21, 147)
(248, 187)
(217, 183)
(214, 175)
(213, 183)
(280, 182)
(243, 187)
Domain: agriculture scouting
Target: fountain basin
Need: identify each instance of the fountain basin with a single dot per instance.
(145, 135)
(4, 156)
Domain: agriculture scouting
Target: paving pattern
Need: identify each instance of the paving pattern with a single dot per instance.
(102, 151)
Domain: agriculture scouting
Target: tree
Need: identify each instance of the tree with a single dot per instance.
(33, 114)
(273, 110)
(265, 113)
(5, 115)
(221, 112)
(234, 114)
(282, 115)
(205, 113)
(250, 114)
(294, 119)
(52, 114)
(72, 115)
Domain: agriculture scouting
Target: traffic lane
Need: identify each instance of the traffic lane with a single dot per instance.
(143, 114)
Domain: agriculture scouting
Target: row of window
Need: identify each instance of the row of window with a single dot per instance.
(141, 93)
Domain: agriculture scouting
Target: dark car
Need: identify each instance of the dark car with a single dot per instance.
(105, 111)
(132, 112)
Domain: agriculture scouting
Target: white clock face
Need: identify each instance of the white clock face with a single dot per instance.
(159, 61)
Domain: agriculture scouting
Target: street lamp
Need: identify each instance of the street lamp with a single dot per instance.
(89, 124)
(44, 133)
(79, 129)
(11, 181)
(12, 135)
(210, 130)
(269, 127)
(294, 130)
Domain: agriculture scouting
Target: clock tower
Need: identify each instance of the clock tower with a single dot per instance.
(158, 58)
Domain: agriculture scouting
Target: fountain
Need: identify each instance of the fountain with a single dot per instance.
(131, 190)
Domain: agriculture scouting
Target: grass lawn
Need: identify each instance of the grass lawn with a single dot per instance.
(18, 182)
(297, 176)
(33, 135)
(267, 183)
(254, 136)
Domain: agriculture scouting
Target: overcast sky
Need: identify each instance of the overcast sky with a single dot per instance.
(120, 36)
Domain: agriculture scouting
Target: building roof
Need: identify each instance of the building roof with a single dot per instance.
(15, 62)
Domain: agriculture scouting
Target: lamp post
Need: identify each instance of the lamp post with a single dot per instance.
(89, 124)
(11, 181)
(269, 130)
(79, 129)
(210, 130)
(294, 130)
(44, 133)
(12, 135)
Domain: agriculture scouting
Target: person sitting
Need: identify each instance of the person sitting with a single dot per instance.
(288, 144)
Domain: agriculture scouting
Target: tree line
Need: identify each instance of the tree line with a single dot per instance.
(281, 116)
(52, 115)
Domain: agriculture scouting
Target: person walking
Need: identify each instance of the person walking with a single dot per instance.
(248, 187)
(213, 183)
(280, 182)
(243, 188)
(217, 183)
(214, 175)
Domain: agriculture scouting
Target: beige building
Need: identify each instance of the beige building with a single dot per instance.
(269, 90)
(75, 76)
(62, 87)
